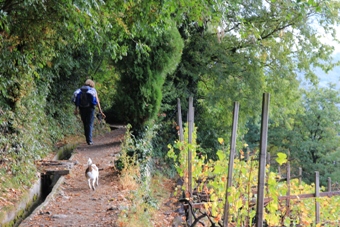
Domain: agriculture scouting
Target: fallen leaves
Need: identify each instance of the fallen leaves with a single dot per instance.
(9, 197)
(5, 202)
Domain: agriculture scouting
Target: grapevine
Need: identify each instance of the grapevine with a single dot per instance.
(209, 184)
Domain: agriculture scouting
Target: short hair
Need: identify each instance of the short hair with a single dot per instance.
(89, 83)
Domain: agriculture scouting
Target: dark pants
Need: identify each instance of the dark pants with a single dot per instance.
(87, 116)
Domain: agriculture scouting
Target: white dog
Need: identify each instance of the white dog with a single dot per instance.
(92, 174)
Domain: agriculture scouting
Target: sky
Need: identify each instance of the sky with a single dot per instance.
(332, 76)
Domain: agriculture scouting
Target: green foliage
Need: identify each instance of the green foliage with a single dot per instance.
(23, 139)
(143, 71)
(258, 49)
(312, 137)
(136, 177)
(136, 157)
(281, 158)
(43, 54)
(133, 51)
(137, 151)
(48, 49)
(316, 133)
(179, 154)
(209, 178)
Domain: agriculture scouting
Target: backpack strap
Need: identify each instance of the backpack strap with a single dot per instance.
(90, 94)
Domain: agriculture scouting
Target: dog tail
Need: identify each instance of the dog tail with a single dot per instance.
(89, 162)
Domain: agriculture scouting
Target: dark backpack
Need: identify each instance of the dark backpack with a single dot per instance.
(85, 99)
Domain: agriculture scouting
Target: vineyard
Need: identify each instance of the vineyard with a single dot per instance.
(236, 178)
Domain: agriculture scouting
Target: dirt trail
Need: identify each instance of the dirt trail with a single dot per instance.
(72, 203)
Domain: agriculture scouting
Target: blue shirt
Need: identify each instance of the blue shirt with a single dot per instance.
(90, 90)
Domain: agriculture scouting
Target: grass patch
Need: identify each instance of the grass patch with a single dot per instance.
(143, 202)
(143, 185)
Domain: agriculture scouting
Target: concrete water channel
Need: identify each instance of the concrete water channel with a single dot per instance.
(49, 176)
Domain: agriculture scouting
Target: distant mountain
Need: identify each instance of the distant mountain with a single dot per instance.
(332, 76)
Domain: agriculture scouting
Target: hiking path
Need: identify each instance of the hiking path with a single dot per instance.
(73, 203)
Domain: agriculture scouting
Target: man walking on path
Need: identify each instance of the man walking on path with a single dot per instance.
(86, 100)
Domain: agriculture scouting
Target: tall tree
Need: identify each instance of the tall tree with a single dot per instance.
(314, 139)
(143, 73)
(311, 139)
(263, 47)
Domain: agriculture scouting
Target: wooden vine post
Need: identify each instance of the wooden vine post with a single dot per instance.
(300, 175)
(288, 190)
(317, 196)
(190, 131)
(231, 162)
(262, 164)
(179, 120)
